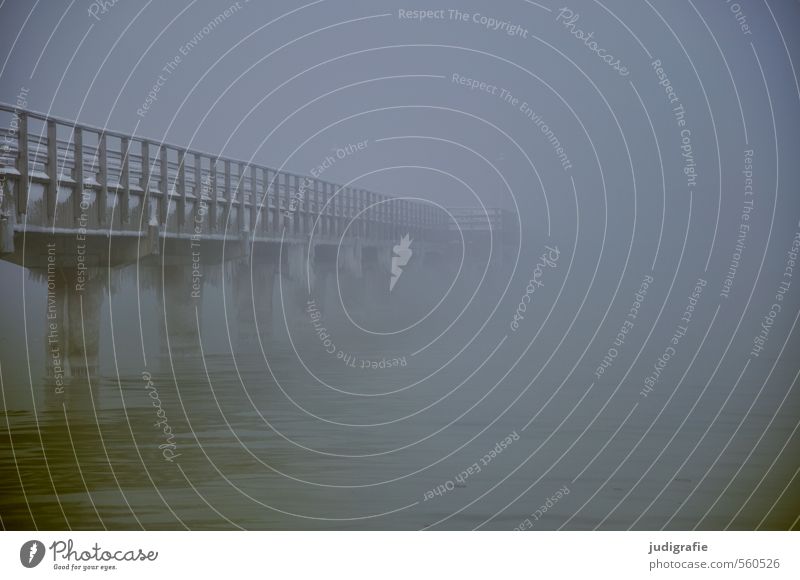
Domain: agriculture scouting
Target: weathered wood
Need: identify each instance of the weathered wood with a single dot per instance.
(125, 180)
(299, 227)
(24, 183)
(266, 215)
(363, 216)
(164, 187)
(299, 202)
(77, 173)
(147, 175)
(212, 225)
(307, 223)
(348, 212)
(52, 169)
(240, 191)
(181, 189)
(326, 212)
(199, 189)
(280, 200)
(253, 201)
(102, 179)
(228, 194)
(371, 214)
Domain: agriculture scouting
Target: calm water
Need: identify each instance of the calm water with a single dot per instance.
(261, 443)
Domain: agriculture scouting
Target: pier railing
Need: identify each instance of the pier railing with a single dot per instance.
(64, 176)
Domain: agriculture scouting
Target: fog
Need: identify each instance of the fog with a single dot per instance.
(618, 334)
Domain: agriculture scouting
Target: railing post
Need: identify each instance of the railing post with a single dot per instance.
(299, 204)
(399, 218)
(281, 179)
(240, 194)
(292, 189)
(229, 196)
(214, 194)
(354, 209)
(405, 222)
(320, 188)
(264, 202)
(387, 218)
(271, 189)
(24, 169)
(280, 201)
(52, 169)
(147, 175)
(373, 216)
(400, 215)
(252, 203)
(357, 219)
(347, 198)
(394, 208)
(331, 211)
(164, 186)
(181, 181)
(365, 215)
(319, 196)
(275, 210)
(198, 191)
(336, 201)
(326, 208)
(125, 174)
(431, 214)
(359, 213)
(297, 216)
(307, 217)
(313, 205)
(374, 229)
(354, 224)
(342, 197)
(77, 173)
(102, 179)
(378, 216)
(337, 210)
(365, 203)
